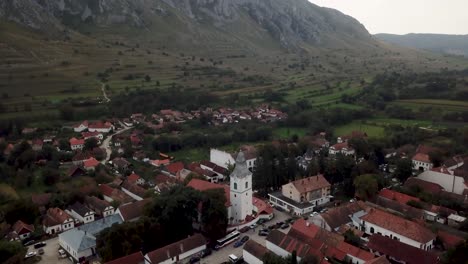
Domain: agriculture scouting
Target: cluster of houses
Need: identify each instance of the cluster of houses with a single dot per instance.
(263, 113)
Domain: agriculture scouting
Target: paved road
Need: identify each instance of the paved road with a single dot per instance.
(222, 255)
(50, 252)
(106, 144)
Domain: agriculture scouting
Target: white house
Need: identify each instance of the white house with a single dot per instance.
(225, 159)
(80, 242)
(81, 127)
(342, 148)
(386, 224)
(21, 231)
(81, 213)
(101, 207)
(76, 144)
(178, 252)
(421, 162)
(303, 195)
(56, 221)
(102, 127)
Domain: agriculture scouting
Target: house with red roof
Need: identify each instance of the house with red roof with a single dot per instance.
(135, 258)
(341, 148)
(355, 254)
(76, 144)
(131, 212)
(81, 127)
(178, 252)
(102, 127)
(97, 135)
(159, 163)
(303, 195)
(37, 144)
(91, 164)
(133, 190)
(111, 194)
(421, 160)
(135, 179)
(376, 221)
(174, 168)
(20, 231)
(56, 220)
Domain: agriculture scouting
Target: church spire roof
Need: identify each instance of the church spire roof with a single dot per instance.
(241, 170)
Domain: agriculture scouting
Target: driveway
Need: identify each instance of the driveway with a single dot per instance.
(222, 255)
(50, 252)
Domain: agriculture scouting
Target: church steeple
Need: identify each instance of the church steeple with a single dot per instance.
(240, 170)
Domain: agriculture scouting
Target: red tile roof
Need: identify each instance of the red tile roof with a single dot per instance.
(311, 183)
(106, 190)
(58, 215)
(400, 251)
(75, 141)
(175, 167)
(132, 211)
(135, 258)
(355, 251)
(306, 231)
(262, 206)
(100, 125)
(396, 196)
(399, 225)
(426, 186)
(202, 185)
(340, 146)
(133, 178)
(422, 157)
(91, 163)
(379, 260)
(21, 227)
(175, 249)
(302, 247)
(158, 163)
(423, 149)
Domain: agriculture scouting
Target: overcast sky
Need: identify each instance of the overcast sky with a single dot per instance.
(406, 16)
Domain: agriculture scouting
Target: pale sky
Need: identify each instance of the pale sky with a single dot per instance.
(405, 16)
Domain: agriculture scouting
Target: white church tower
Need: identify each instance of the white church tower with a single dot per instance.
(241, 190)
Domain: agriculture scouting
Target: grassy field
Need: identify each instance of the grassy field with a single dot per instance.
(373, 131)
(287, 133)
(434, 104)
(191, 155)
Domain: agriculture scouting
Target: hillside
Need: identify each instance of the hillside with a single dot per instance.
(445, 44)
(67, 52)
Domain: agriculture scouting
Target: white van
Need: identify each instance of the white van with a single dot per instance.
(233, 258)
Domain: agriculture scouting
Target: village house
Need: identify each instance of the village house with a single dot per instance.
(178, 252)
(135, 179)
(20, 231)
(302, 196)
(37, 144)
(97, 135)
(220, 172)
(101, 127)
(386, 224)
(76, 144)
(56, 221)
(90, 164)
(456, 220)
(133, 190)
(101, 207)
(83, 126)
(135, 258)
(159, 163)
(336, 217)
(450, 183)
(421, 160)
(163, 182)
(253, 252)
(355, 254)
(341, 148)
(80, 242)
(399, 252)
(80, 212)
(131, 212)
(111, 194)
(120, 163)
(173, 168)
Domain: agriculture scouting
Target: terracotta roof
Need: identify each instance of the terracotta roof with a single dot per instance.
(262, 206)
(306, 231)
(75, 141)
(202, 185)
(423, 149)
(175, 167)
(97, 203)
(400, 251)
(81, 156)
(75, 171)
(255, 249)
(428, 187)
(106, 190)
(337, 216)
(311, 183)
(90, 134)
(176, 249)
(449, 240)
(134, 188)
(100, 125)
(422, 157)
(114, 194)
(131, 211)
(399, 225)
(290, 244)
(21, 227)
(355, 251)
(91, 163)
(158, 163)
(56, 216)
(340, 146)
(135, 258)
(133, 178)
(396, 196)
(379, 260)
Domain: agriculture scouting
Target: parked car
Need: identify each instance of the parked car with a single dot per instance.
(284, 226)
(244, 229)
(206, 252)
(272, 227)
(261, 221)
(30, 254)
(194, 259)
(323, 210)
(263, 233)
(41, 251)
(62, 254)
(314, 214)
(245, 239)
(40, 244)
(30, 242)
(253, 226)
(238, 243)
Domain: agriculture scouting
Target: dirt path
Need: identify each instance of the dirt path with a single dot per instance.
(104, 94)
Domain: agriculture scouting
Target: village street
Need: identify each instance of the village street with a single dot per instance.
(106, 143)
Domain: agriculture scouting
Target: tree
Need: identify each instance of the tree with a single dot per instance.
(90, 143)
(214, 215)
(294, 257)
(50, 176)
(272, 258)
(309, 259)
(404, 169)
(366, 186)
(11, 252)
(436, 158)
(67, 112)
(456, 255)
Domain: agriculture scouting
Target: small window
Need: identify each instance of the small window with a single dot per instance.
(246, 185)
(235, 186)
(372, 230)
